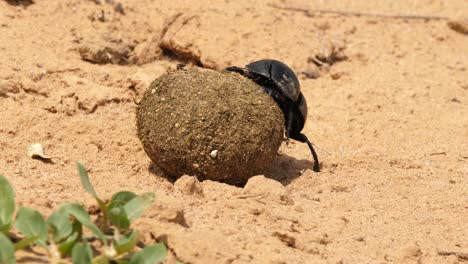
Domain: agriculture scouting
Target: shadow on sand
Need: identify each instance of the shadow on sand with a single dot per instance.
(284, 169)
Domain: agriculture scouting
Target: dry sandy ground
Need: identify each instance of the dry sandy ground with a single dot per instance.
(389, 110)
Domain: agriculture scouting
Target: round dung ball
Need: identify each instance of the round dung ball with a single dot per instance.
(215, 125)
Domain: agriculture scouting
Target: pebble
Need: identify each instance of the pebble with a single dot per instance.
(270, 189)
(188, 185)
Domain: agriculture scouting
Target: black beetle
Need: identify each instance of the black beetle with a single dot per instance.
(278, 80)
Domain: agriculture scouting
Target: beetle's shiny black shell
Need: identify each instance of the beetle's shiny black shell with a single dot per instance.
(280, 74)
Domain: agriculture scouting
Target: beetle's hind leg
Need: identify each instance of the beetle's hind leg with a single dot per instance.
(302, 138)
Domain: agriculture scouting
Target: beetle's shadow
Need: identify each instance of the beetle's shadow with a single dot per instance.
(286, 168)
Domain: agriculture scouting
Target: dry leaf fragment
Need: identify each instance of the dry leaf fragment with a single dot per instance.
(36, 151)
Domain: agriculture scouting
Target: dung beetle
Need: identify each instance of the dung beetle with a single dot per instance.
(280, 82)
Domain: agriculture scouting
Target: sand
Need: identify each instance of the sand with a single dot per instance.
(388, 106)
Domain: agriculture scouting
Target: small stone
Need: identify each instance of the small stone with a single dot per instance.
(167, 209)
(119, 8)
(408, 252)
(102, 52)
(214, 153)
(459, 25)
(312, 72)
(7, 86)
(299, 209)
(188, 185)
(411, 251)
(139, 81)
(260, 186)
(146, 52)
(359, 238)
(336, 75)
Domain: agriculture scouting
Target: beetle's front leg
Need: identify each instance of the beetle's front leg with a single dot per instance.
(302, 138)
(289, 117)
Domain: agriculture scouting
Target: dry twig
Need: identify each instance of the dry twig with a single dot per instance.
(311, 12)
(460, 255)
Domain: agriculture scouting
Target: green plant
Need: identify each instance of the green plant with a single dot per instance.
(62, 233)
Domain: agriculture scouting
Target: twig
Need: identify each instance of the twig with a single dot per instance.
(322, 149)
(438, 153)
(250, 196)
(460, 255)
(310, 12)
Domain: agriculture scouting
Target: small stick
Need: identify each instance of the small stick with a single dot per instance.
(460, 255)
(438, 153)
(322, 149)
(250, 196)
(309, 12)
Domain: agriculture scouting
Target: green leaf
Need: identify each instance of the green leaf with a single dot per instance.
(105, 213)
(150, 255)
(61, 225)
(118, 217)
(23, 243)
(85, 179)
(7, 205)
(135, 207)
(31, 223)
(82, 216)
(126, 243)
(7, 250)
(82, 253)
(120, 199)
(89, 188)
(101, 260)
(66, 246)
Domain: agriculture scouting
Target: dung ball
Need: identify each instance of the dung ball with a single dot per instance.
(212, 124)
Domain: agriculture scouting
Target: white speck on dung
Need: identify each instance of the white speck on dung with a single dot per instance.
(214, 153)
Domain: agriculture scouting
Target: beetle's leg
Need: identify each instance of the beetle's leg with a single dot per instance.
(289, 117)
(302, 138)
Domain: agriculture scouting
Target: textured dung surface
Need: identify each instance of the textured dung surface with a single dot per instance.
(216, 125)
